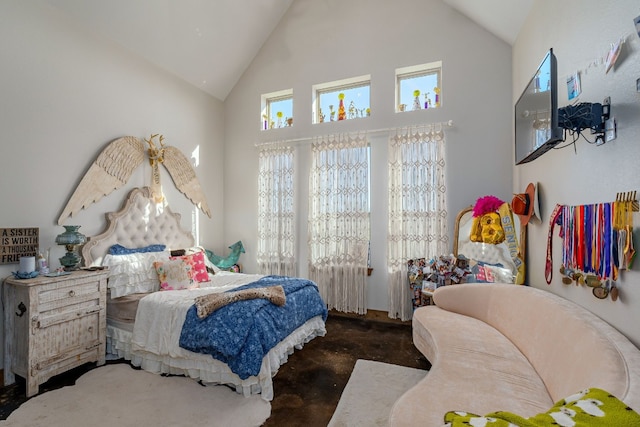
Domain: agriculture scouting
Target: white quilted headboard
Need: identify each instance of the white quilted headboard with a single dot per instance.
(140, 222)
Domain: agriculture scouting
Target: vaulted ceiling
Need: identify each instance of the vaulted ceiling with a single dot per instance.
(209, 43)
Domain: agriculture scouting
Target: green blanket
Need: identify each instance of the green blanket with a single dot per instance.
(590, 407)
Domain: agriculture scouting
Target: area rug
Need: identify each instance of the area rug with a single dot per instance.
(118, 395)
(371, 391)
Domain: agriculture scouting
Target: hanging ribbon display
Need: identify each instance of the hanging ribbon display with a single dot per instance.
(597, 243)
(556, 217)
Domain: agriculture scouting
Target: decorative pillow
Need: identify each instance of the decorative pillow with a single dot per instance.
(121, 250)
(178, 252)
(198, 267)
(211, 268)
(235, 268)
(133, 273)
(175, 274)
(590, 407)
(186, 251)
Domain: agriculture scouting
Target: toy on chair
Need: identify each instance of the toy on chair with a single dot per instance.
(487, 227)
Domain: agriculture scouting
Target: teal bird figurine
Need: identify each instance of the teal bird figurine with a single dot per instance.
(230, 260)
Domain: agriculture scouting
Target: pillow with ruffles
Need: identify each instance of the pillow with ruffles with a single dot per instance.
(198, 267)
(133, 273)
(121, 250)
(589, 407)
(175, 274)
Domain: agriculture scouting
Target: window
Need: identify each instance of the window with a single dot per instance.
(342, 100)
(419, 87)
(277, 110)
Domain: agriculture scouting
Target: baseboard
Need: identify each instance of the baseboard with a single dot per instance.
(372, 315)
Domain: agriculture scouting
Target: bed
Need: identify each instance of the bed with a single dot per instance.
(144, 321)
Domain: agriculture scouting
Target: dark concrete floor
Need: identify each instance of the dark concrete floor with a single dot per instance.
(308, 387)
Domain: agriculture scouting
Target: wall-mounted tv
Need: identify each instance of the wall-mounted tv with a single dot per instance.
(536, 113)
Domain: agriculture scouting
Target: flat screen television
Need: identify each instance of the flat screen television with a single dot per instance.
(536, 113)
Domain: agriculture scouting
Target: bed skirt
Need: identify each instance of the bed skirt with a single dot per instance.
(205, 368)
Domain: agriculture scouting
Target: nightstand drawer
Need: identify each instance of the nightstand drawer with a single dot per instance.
(67, 293)
(46, 320)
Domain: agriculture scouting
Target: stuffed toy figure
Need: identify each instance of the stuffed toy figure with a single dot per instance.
(487, 225)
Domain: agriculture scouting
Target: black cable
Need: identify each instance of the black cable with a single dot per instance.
(586, 139)
(581, 116)
(575, 138)
(577, 118)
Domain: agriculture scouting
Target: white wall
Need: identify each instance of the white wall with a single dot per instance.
(64, 94)
(326, 40)
(580, 33)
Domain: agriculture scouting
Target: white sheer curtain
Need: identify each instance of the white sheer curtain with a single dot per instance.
(339, 220)
(417, 208)
(276, 211)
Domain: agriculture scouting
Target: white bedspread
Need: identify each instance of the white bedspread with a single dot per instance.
(154, 343)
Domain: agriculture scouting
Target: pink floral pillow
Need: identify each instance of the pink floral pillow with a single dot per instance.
(175, 274)
(198, 267)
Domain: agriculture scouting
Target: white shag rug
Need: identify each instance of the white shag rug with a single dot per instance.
(118, 395)
(371, 391)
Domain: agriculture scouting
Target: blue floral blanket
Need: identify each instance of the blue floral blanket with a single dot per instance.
(242, 333)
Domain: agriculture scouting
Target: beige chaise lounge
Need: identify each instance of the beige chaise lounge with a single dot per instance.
(497, 347)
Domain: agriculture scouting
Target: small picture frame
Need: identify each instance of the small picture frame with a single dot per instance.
(573, 86)
(612, 56)
(638, 85)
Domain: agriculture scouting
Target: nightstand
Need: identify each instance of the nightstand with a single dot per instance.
(53, 324)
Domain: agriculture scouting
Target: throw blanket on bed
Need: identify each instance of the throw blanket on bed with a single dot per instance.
(207, 304)
(242, 333)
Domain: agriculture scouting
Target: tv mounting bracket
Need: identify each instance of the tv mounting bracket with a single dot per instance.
(586, 115)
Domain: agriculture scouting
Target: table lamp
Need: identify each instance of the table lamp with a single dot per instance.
(70, 239)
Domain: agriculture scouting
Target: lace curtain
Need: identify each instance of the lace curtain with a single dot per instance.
(276, 216)
(339, 220)
(417, 208)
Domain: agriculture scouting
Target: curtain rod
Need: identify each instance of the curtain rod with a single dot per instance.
(448, 123)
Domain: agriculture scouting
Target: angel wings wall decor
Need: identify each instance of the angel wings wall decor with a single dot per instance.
(115, 164)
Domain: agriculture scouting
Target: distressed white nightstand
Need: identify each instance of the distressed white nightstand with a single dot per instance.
(53, 324)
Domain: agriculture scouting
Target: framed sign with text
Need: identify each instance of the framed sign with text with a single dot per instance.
(18, 242)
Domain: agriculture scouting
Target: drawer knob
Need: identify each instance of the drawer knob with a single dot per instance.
(72, 293)
(22, 308)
